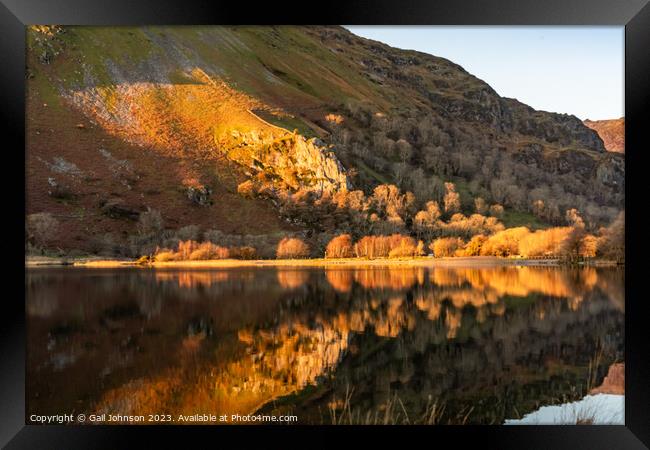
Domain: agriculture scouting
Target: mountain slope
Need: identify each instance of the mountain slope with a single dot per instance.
(612, 132)
(178, 119)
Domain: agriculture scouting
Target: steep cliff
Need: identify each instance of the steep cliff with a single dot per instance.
(612, 132)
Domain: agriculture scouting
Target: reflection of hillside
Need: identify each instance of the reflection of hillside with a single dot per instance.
(455, 332)
(273, 364)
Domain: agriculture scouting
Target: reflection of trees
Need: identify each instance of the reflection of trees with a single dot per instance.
(511, 353)
(389, 277)
(292, 279)
(479, 329)
(510, 337)
(520, 281)
(340, 279)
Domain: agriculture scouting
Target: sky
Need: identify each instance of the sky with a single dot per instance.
(574, 70)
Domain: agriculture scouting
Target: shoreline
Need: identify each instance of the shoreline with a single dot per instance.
(467, 261)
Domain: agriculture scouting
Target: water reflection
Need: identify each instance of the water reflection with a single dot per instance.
(498, 342)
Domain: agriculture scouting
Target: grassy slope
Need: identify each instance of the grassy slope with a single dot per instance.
(52, 131)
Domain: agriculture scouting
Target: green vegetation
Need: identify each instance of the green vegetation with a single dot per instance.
(512, 219)
(289, 123)
(373, 174)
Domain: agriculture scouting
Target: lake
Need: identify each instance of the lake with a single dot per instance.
(326, 345)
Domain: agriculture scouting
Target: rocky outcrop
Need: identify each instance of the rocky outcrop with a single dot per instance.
(614, 382)
(562, 129)
(611, 171)
(300, 163)
(328, 172)
(612, 132)
(199, 195)
(117, 209)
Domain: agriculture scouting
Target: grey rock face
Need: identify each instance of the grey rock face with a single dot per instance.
(199, 195)
(328, 172)
(611, 171)
(117, 209)
(307, 164)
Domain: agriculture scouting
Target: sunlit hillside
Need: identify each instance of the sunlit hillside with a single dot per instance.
(139, 138)
(612, 132)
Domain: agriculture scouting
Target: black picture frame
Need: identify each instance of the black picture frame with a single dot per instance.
(633, 14)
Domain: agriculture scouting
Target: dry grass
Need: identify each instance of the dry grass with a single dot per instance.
(393, 412)
(594, 363)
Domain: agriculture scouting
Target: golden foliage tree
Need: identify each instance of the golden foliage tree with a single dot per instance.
(480, 205)
(41, 227)
(504, 243)
(473, 247)
(611, 244)
(452, 199)
(292, 248)
(405, 248)
(445, 247)
(340, 247)
(496, 210)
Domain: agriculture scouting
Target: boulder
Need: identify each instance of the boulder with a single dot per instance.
(199, 195)
(117, 209)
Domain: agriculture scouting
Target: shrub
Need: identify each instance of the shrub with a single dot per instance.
(340, 247)
(245, 252)
(496, 210)
(165, 255)
(188, 233)
(185, 249)
(451, 199)
(480, 206)
(292, 248)
(473, 247)
(207, 251)
(195, 251)
(544, 242)
(108, 244)
(41, 227)
(444, 247)
(589, 246)
(504, 243)
(466, 227)
(246, 189)
(425, 221)
(150, 222)
(214, 236)
(381, 246)
(406, 247)
(611, 244)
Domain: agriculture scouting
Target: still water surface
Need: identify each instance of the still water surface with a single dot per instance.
(339, 345)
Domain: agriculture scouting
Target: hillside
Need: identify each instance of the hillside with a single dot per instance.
(612, 132)
(264, 131)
